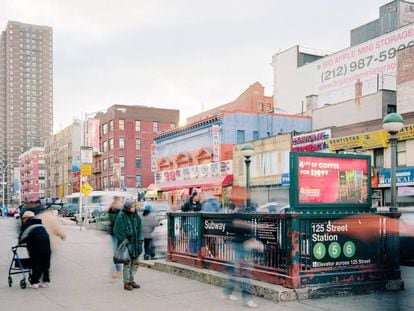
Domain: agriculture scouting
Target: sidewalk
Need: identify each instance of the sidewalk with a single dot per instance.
(80, 281)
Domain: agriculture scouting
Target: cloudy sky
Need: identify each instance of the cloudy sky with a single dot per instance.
(182, 54)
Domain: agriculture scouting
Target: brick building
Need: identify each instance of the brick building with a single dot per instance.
(125, 138)
(32, 174)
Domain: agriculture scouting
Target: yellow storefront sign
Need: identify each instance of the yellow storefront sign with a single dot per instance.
(369, 140)
(407, 132)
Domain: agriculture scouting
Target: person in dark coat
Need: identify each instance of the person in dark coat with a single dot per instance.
(35, 236)
(193, 204)
(128, 226)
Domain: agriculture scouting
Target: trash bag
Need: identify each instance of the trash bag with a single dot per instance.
(122, 254)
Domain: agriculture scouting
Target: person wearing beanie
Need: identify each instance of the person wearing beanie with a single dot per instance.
(193, 204)
(128, 226)
(34, 234)
(148, 225)
(113, 212)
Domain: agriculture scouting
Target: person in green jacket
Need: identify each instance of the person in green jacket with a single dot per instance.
(128, 226)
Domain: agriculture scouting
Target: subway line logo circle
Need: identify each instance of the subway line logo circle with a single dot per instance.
(334, 250)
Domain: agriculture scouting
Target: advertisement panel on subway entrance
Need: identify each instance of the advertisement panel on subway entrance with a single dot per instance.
(330, 179)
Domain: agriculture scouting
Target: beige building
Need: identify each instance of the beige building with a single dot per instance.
(61, 154)
(268, 170)
(26, 90)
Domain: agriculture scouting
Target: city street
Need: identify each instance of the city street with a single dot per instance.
(80, 281)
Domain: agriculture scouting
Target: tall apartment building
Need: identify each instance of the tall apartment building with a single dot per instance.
(26, 91)
(126, 132)
(32, 174)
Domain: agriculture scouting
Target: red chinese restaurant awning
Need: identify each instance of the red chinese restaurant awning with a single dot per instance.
(193, 183)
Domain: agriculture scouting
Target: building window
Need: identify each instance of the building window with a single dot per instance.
(255, 135)
(138, 163)
(122, 162)
(105, 146)
(155, 126)
(111, 181)
(104, 129)
(138, 144)
(379, 158)
(121, 143)
(401, 154)
(260, 107)
(391, 109)
(111, 144)
(122, 181)
(137, 126)
(111, 126)
(172, 125)
(105, 165)
(268, 163)
(240, 136)
(121, 124)
(105, 183)
(138, 181)
(111, 163)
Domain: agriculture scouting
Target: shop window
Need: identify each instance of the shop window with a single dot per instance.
(379, 158)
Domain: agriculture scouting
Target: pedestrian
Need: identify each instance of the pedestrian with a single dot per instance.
(113, 212)
(148, 225)
(210, 203)
(53, 226)
(193, 203)
(241, 230)
(35, 236)
(128, 226)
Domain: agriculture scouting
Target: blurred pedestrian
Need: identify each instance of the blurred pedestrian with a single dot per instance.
(113, 212)
(53, 226)
(128, 226)
(193, 203)
(210, 203)
(149, 223)
(35, 236)
(242, 232)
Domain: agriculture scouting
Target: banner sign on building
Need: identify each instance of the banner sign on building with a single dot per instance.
(92, 136)
(86, 154)
(216, 142)
(285, 179)
(321, 178)
(407, 132)
(405, 177)
(153, 157)
(363, 61)
(310, 142)
(221, 168)
(369, 140)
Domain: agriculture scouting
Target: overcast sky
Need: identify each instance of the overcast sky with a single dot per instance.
(182, 54)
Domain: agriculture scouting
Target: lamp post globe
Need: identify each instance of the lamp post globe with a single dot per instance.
(247, 151)
(393, 123)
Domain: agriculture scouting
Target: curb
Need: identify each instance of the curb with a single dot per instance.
(276, 293)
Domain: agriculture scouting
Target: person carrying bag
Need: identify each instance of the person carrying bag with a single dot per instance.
(128, 230)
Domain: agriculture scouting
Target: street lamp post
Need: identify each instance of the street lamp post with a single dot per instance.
(247, 151)
(393, 123)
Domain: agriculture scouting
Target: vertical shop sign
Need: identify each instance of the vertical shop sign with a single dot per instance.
(216, 142)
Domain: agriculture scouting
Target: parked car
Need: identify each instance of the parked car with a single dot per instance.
(94, 212)
(272, 207)
(69, 210)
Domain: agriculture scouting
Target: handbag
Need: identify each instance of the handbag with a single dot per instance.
(122, 254)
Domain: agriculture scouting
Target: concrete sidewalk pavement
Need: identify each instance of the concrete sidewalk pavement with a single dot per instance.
(80, 281)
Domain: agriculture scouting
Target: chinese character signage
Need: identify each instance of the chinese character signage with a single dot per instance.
(216, 142)
(330, 179)
(153, 157)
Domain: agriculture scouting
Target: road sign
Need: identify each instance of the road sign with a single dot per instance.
(86, 154)
(86, 189)
(86, 169)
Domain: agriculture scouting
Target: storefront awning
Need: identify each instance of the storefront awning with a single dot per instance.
(193, 183)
